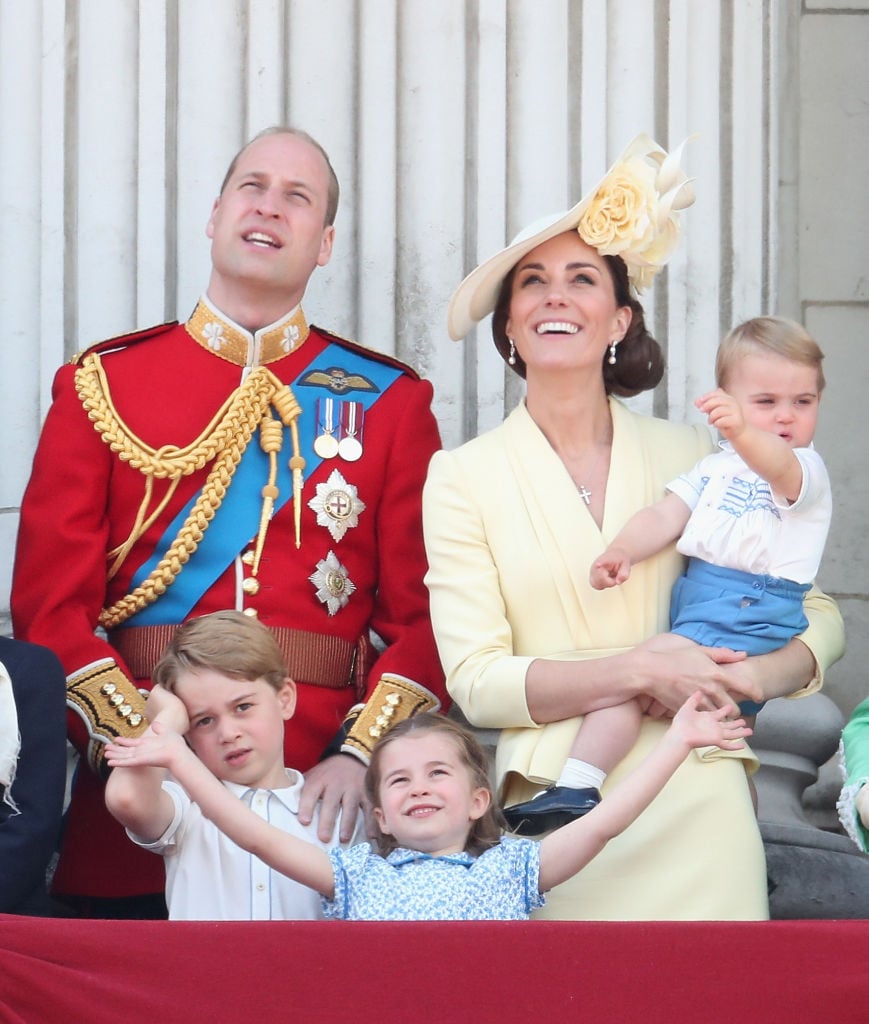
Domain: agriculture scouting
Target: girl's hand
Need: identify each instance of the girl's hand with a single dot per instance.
(716, 728)
(159, 747)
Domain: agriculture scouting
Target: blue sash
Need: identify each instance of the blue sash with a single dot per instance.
(237, 519)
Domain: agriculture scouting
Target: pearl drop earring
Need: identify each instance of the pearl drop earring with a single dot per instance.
(612, 357)
(511, 359)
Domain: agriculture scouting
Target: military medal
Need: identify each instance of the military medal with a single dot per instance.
(350, 445)
(326, 443)
(337, 505)
(332, 583)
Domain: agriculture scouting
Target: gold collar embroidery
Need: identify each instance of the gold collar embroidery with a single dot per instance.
(216, 332)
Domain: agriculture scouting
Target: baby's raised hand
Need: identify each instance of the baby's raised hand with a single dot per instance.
(709, 728)
(723, 411)
(612, 568)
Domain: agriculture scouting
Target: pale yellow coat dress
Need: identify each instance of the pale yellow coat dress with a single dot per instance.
(510, 543)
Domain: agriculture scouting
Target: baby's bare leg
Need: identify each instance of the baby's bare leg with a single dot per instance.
(606, 736)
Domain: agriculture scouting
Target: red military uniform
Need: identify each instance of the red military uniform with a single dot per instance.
(134, 435)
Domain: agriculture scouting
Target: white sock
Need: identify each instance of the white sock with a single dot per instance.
(578, 774)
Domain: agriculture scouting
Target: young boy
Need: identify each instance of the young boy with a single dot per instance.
(753, 520)
(224, 674)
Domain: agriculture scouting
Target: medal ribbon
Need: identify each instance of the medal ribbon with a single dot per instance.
(237, 519)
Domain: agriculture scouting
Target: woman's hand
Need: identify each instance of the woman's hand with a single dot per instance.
(673, 674)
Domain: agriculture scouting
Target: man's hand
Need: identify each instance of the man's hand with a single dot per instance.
(338, 784)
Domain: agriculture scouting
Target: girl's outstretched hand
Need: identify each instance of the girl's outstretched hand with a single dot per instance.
(716, 728)
(157, 748)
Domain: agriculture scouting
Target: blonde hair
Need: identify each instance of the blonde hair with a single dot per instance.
(227, 642)
(775, 334)
(485, 832)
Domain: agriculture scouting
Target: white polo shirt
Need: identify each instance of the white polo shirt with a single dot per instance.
(738, 523)
(210, 878)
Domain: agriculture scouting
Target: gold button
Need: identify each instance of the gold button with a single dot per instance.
(108, 689)
(135, 719)
(250, 585)
(251, 613)
(248, 557)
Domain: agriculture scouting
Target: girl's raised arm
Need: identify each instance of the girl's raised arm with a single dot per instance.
(567, 850)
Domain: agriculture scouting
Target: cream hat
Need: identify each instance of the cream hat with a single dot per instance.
(632, 212)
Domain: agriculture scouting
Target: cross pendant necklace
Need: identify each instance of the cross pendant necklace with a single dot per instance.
(585, 494)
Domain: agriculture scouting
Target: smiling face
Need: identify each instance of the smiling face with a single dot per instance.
(268, 227)
(776, 395)
(563, 313)
(426, 797)
(237, 726)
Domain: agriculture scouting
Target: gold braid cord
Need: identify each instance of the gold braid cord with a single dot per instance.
(223, 441)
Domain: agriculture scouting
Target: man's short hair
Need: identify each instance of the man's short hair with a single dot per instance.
(280, 129)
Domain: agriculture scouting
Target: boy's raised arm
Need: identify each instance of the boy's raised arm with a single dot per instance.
(135, 796)
(162, 747)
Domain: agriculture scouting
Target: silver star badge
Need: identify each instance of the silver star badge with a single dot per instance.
(334, 586)
(337, 505)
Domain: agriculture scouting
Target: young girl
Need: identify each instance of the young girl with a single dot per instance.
(441, 854)
(752, 518)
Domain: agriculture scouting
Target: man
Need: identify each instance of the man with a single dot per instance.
(179, 474)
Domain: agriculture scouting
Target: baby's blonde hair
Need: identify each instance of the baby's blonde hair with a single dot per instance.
(773, 334)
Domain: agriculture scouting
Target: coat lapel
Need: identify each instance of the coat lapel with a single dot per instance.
(566, 534)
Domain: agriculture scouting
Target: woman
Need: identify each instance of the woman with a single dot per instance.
(514, 518)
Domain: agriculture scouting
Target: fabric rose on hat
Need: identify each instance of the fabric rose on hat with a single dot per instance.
(634, 212)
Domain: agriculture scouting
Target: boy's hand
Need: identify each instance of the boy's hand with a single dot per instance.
(716, 728)
(159, 747)
(612, 568)
(724, 413)
(166, 707)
